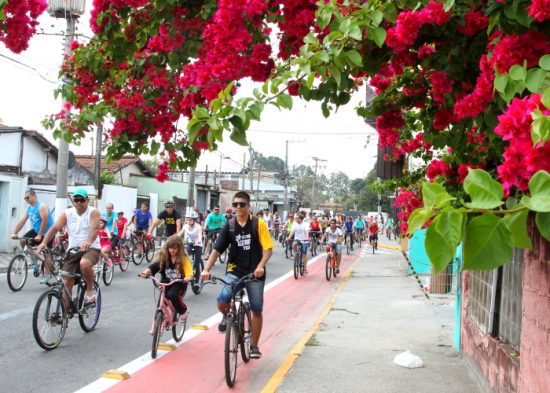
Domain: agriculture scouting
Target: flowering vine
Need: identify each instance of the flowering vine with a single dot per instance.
(18, 21)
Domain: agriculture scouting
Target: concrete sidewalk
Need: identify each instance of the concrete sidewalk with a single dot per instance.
(4, 261)
(379, 313)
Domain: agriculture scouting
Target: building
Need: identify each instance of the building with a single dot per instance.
(122, 168)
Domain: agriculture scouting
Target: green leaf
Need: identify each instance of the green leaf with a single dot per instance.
(154, 148)
(354, 57)
(500, 82)
(417, 219)
(284, 101)
(540, 129)
(517, 73)
(442, 238)
(355, 32)
(448, 4)
(539, 186)
(378, 35)
(376, 17)
(535, 79)
(544, 62)
(517, 222)
(486, 192)
(488, 243)
(543, 224)
(546, 98)
(324, 16)
(336, 74)
(239, 137)
(434, 195)
(325, 109)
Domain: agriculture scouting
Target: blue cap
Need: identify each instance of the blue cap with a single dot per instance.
(80, 192)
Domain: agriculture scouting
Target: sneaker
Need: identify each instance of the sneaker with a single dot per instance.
(46, 278)
(337, 270)
(223, 324)
(255, 352)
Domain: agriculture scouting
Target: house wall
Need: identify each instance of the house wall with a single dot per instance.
(123, 199)
(35, 158)
(534, 375)
(12, 189)
(10, 156)
(505, 370)
(78, 175)
(165, 191)
(123, 176)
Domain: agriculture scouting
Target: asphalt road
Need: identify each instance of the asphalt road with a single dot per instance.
(121, 335)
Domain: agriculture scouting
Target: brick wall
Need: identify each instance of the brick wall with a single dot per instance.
(496, 363)
(535, 323)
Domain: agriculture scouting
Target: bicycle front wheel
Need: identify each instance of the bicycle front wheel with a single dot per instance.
(124, 257)
(231, 349)
(17, 272)
(297, 258)
(108, 272)
(157, 332)
(347, 246)
(245, 331)
(149, 250)
(178, 329)
(88, 313)
(137, 252)
(49, 319)
(328, 267)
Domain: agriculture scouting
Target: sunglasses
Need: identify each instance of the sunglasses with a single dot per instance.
(79, 200)
(239, 205)
(27, 198)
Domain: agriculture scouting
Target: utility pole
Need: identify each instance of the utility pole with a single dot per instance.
(97, 165)
(244, 173)
(286, 175)
(258, 188)
(250, 173)
(317, 160)
(191, 190)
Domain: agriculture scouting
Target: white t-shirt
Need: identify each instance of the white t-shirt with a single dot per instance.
(191, 234)
(301, 231)
(78, 227)
(332, 237)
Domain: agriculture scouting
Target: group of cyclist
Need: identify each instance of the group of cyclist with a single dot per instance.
(248, 239)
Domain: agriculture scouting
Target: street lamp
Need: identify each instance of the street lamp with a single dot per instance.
(70, 10)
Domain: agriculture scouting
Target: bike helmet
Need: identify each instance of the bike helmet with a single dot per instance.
(229, 210)
(192, 214)
(169, 204)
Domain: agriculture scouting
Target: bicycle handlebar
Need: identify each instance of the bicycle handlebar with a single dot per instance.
(244, 279)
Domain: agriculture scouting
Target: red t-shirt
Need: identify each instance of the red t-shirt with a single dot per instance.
(120, 225)
(373, 228)
(314, 226)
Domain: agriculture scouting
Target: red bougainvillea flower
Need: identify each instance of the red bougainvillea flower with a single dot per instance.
(437, 168)
(294, 88)
(20, 22)
(515, 49)
(388, 126)
(539, 10)
(201, 145)
(474, 21)
(442, 119)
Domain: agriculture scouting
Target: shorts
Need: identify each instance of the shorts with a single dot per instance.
(373, 237)
(304, 244)
(212, 233)
(255, 290)
(337, 247)
(72, 264)
(32, 234)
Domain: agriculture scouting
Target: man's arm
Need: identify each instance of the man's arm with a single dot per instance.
(178, 225)
(58, 225)
(153, 225)
(20, 224)
(95, 217)
(44, 217)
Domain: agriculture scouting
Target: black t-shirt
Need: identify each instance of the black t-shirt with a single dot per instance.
(170, 221)
(245, 250)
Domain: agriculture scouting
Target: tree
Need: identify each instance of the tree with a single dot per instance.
(461, 85)
(338, 186)
(270, 163)
(106, 177)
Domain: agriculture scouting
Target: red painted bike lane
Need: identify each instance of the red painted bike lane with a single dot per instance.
(290, 309)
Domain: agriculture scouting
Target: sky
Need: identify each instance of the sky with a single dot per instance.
(28, 80)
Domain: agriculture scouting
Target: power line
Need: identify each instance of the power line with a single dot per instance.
(29, 67)
(312, 133)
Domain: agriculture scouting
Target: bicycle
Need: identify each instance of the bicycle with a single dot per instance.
(359, 234)
(314, 242)
(198, 266)
(165, 317)
(142, 248)
(349, 243)
(122, 257)
(18, 266)
(105, 269)
(52, 313)
(289, 253)
(374, 242)
(239, 327)
(299, 261)
(210, 246)
(330, 263)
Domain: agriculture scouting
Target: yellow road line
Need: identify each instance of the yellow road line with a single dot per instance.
(116, 374)
(389, 247)
(279, 375)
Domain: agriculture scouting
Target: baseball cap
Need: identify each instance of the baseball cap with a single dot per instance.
(81, 192)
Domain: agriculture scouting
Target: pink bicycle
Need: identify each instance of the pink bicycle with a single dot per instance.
(164, 317)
